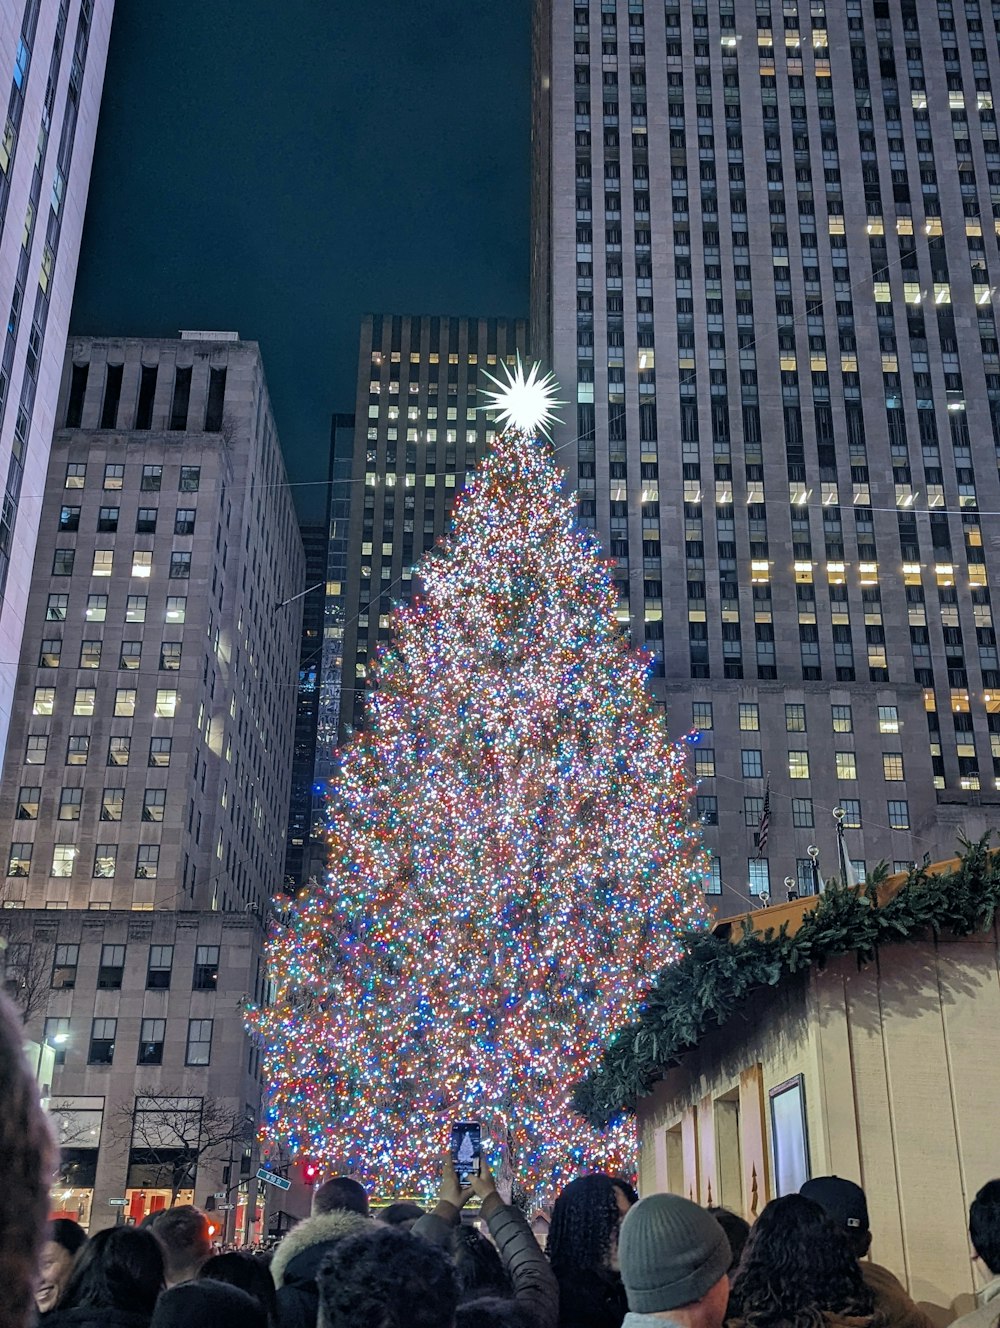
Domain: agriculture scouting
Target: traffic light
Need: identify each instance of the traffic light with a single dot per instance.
(310, 1172)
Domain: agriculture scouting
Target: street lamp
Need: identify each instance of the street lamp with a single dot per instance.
(813, 852)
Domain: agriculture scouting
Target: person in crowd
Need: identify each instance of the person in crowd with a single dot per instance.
(339, 1208)
(248, 1272)
(798, 1271)
(28, 1157)
(628, 1192)
(984, 1232)
(512, 1270)
(402, 1214)
(386, 1277)
(184, 1236)
(674, 1260)
(737, 1229)
(847, 1207)
(63, 1240)
(115, 1281)
(583, 1251)
(207, 1304)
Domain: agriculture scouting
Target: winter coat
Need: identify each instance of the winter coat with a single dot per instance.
(633, 1320)
(296, 1262)
(832, 1321)
(591, 1298)
(988, 1313)
(891, 1298)
(87, 1316)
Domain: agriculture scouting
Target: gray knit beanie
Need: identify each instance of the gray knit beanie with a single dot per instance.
(671, 1253)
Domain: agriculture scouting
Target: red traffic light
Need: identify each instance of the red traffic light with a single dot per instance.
(310, 1171)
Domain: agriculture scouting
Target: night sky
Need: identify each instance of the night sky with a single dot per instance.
(283, 168)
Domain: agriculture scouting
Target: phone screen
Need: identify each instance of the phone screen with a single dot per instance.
(466, 1148)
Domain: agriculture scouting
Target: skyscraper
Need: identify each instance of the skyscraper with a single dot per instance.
(146, 785)
(766, 272)
(56, 53)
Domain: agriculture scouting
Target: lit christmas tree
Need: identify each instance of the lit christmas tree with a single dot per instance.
(512, 858)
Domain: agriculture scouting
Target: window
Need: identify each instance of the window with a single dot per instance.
(97, 608)
(105, 861)
(216, 399)
(154, 804)
(759, 876)
(114, 476)
(50, 653)
(161, 961)
(57, 1034)
(145, 521)
(180, 566)
(892, 765)
(182, 397)
(90, 654)
(125, 701)
(152, 1034)
(44, 701)
(63, 858)
(888, 719)
(795, 719)
(708, 810)
(842, 721)
(170, 656)
(802, 813)
(107, 520)
(206, 968)
(19, 861)
(28, 798)
(62, 562)
(70, 801)
(147, 861)
(704, 762)
(752, 809)
(36, 749)
(84, 700)
(103, 562)
(55, 608)
(69, 518)
(102, 1041)
(713, 879)
(798, 765)
(109, 975)
(176, 608)
(118, 749)
(751, 763)
(142, 563)
(112, 803)
(899, 814)
(135, 609)
(190, 479)
(144, 406)
(199, 1042)
(702, 714)
(159, 751)
(166, 703)
(77, 749)
(184, 521)
(151, 478)
(64, 966)
(749, 716)
(846, 765)
(131, 655)
(76, 475)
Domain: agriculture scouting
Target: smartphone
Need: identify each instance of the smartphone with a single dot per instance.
(466, 1148)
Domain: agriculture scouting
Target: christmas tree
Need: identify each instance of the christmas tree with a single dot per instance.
(511, 854)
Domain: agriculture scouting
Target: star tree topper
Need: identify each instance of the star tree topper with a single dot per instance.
(524, 403)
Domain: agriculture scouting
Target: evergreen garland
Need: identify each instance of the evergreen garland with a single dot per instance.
(704, 987)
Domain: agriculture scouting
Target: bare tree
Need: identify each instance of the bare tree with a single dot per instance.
(27, 966)
(170, 1133)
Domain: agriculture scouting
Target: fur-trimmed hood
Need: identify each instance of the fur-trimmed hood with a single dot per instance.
(323, 1229)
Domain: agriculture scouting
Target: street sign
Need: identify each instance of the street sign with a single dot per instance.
(220, 1194)
(117, 1203)
(271, 1179)
(226, 1208)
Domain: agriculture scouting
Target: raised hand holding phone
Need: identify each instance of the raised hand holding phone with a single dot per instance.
(452, 1190)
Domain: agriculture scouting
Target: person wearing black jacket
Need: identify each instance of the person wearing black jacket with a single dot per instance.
(115, 1281)
(583, 1251)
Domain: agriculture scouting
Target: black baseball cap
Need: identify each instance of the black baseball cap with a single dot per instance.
(841, 1200)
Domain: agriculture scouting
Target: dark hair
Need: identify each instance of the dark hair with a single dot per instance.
(797, 1267)
(387, 1278)
(984, 1225)
(492, 1312)
(342, 1192)
(197, 1304)
(627, 1188)
(478, 1265)
(70, 1235)
(737, 1230)
(183, 1233)
(585, 1218)
(120, 1268)
(401, 1213)
(247, 1273)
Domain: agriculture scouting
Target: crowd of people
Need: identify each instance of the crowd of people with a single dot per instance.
(611, 1260)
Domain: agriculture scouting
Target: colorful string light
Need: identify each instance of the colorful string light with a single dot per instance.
(512, 858)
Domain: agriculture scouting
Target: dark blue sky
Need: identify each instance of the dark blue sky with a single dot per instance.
(283, 168)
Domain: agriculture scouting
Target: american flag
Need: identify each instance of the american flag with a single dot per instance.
(764, 824)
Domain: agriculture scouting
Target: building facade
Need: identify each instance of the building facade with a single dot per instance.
(419, 428)
(765, 258)
(331, 680)
(148, 770)
(56, 54)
